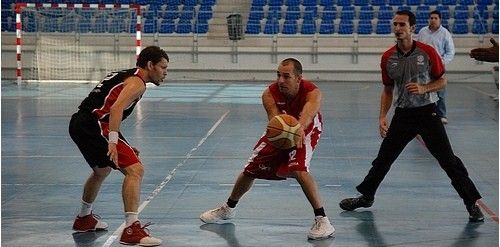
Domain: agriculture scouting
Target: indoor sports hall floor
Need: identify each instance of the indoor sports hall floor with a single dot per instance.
(194, 138)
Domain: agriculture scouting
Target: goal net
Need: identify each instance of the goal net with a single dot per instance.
(75, 42)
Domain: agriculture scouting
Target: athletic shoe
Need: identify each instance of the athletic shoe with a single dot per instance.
(137, 234)
(91, 222)
(223, 212)
(321, 228)
(475, 214)
(350, 204)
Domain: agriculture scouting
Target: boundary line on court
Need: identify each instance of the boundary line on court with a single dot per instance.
(167, 179)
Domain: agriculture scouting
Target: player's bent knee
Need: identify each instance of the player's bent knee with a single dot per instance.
(136, 169)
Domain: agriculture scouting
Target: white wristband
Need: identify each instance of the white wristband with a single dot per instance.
(113, 137)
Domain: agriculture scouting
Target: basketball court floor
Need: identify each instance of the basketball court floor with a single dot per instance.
(194, 138)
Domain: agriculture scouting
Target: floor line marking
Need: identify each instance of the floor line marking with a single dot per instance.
(167, 179)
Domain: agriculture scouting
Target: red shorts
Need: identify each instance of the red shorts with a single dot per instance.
(268, 162)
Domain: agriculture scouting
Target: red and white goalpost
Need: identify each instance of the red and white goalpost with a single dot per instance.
(63, 52)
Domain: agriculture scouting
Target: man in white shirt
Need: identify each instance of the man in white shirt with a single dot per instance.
(440, 38)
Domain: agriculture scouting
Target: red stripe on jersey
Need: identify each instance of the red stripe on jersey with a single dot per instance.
(108, 101)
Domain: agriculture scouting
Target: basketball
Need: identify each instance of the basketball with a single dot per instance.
(281, 131)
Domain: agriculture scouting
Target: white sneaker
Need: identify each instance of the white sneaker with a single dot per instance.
(321, 228)
(223, 212)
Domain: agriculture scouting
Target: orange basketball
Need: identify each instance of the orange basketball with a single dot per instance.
(281, 131)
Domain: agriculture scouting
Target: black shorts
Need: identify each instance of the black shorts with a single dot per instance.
(85, 131)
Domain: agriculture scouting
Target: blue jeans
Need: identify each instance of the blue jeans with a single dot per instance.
(441, 107)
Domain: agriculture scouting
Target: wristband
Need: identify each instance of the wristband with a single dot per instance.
(113, 137)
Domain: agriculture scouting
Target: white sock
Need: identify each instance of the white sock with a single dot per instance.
(86, 209)
(130, 218)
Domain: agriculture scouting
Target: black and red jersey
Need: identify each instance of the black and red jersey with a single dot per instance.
(104, 95)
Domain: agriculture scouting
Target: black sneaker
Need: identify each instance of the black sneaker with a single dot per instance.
(350, 204)
(475, 214)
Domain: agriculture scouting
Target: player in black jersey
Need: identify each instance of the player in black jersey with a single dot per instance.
(95, 129)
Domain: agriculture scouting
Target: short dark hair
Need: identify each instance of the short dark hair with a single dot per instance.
(411, 17)
(151, 53)
(435, 12)
(297, 66)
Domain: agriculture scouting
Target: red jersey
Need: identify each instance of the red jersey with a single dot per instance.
(295, 106)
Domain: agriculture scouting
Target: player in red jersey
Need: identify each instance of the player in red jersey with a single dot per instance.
(293, 95)
(95, 129)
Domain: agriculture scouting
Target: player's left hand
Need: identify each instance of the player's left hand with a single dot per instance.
(415, 88)
(299, 138)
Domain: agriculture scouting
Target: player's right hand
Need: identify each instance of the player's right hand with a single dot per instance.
(113, 153)
(383, 127)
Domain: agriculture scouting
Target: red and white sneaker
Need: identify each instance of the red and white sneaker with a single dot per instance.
(137, 234)
(91, 222)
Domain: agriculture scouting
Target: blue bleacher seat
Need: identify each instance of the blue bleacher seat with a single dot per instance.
(432, 2)
(366, 13)
(346, 27)
(479, 26)
(274, 12)
(461, 12)
(365, 27)
(272, 26)
(449, 2)
(383, 27)
(308, 27)
(205, 12)
(326, 27)
(495, 12)
(201, 26)
(460, 26)
(344, 2)
(253, 27)
(422, 12)
(68, 24)
(413, 2)
(326, 3)
(289, 27)
(275, 2)
(171, 12)
(292, 13)
(172, 2)
(404, 7)
(309, 2)
(187, 12)
(361, 3)
(445, 24)
(150, 25)
(347, 13)
(385, 13)
(256, 13)
(484, 2)
(395, 2)
(466, 2)
(494, 27)
(83, 25)
(100, 25)
(184, 26)
(189, 2)
(329, 13)
(117, 25)
(310, 12)
(420, 24)
(292, 2)
(167, 26)
(378, 2)
(259, 2)
(445, 11)
(481, 11)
